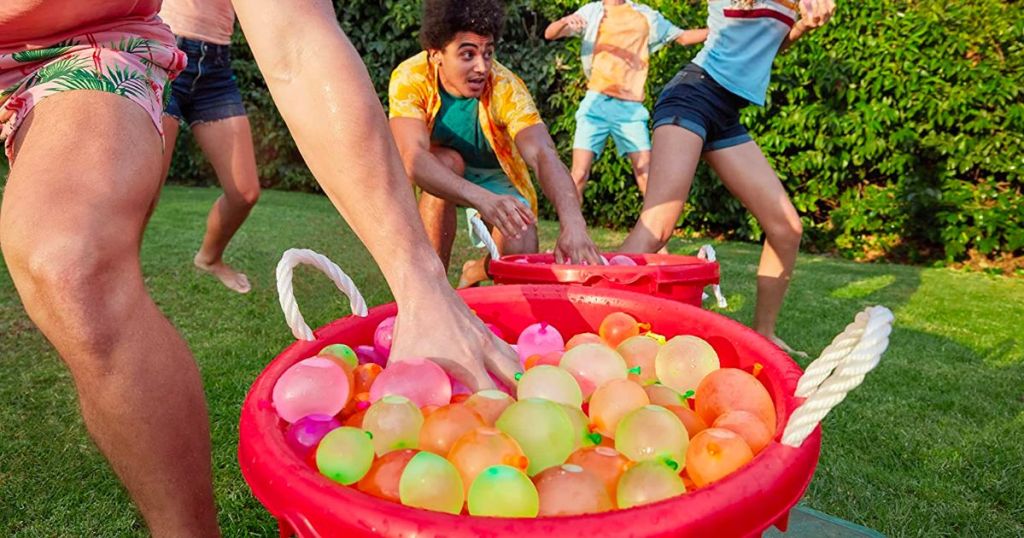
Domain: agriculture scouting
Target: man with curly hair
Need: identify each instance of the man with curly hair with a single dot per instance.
(468, 130)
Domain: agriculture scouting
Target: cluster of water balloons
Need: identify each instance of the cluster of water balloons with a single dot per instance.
(604, 421)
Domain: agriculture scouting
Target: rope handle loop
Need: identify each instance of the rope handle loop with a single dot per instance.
(839, 369)
(295, 256)
(480, 234)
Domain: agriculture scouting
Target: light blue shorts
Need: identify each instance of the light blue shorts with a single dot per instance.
(600, 116)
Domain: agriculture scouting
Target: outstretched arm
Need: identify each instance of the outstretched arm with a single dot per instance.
(565, 27)
(813, 14)
(692, 37)
(538, 150)
(325, 96)
(505, 212)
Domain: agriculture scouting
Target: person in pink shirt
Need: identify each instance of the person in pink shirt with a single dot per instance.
(81, 99)
(206, 96)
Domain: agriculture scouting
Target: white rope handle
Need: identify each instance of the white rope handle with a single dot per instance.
(296, 256)
(839, 370)
(707, 252)
(480, 234)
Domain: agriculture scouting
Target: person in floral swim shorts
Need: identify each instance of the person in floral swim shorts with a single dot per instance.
(82, 88)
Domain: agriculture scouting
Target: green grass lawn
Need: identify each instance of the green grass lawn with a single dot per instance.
(932, 444)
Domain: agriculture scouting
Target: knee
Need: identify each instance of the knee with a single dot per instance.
(73, 290)
(246, 196)
(451, 159)
(786, 231)
(251, 195)
(580, 175)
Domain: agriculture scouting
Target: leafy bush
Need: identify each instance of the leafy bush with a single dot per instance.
(897, 129)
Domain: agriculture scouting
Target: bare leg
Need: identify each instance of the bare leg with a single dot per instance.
(674, 159)
(582, 161)
(79, 276)
(171, 128)
(746, 173)
(641, 161)
(439, 215)
(227, 144)
(475, 271)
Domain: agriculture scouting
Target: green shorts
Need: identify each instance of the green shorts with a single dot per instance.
(494, 180)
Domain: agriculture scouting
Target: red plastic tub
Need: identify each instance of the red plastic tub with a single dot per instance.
(743, 504)
(680, 278)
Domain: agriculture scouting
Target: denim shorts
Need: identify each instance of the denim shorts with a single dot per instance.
(205, 90)
(601, 116)
(694, 101)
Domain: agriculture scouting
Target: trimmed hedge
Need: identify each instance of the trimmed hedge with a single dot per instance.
(897, 129)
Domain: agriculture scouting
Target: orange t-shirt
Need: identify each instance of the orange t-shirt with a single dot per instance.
(621, 54)
(30, 24)
(212, 21)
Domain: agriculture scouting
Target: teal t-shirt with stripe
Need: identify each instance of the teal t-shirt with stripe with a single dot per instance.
(457, 126)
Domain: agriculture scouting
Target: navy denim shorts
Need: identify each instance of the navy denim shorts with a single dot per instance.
(694, 101)
(206, 89)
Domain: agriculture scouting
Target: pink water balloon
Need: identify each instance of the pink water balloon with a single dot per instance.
(314, 386)
(622, 260)
(367, 354)
(418, 379)
(305, 434)
(382, 337)
(538, 339)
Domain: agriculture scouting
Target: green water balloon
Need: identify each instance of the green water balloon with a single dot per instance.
(503, 491)
(432, 483)
(543, 430)
(395, 423)
(344, 455)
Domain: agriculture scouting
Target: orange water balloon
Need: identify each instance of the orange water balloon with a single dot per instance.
(747, 425)
(482, 448)
(355, 420)
(714, 454)
(614, 400)
(382, 479)
(639, 353)
(606, 463)
(583, 338)
(365, 375)
(730, 389)
(690, 419)
(617, 327)
(490, 404)
(664, 396)
(446, 425)
(568, 490)
(551, 358)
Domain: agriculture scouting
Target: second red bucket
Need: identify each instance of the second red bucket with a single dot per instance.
(681, 278)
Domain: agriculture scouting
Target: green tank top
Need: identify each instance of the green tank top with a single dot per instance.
(457, 126)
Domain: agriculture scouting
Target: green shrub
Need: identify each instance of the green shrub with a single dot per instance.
(896, 129)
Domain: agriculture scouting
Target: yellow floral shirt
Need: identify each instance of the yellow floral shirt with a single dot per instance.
(506, 108)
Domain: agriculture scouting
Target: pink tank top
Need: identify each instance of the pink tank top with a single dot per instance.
(212, 21)
(32, 24)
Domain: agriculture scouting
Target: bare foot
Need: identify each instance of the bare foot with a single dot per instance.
(473, 273)
(234, 280)
(785, 347)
